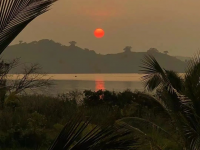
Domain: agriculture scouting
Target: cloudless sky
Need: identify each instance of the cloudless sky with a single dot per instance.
(172, 25)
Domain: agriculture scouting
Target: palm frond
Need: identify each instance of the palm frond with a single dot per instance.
(72, 138)
(192, 63)
(190, 124)
(175, 80)
(141, 134)
(192, 81)
(182, 97)
(151, 101)
(155, 75)
(146, 122)
(15, 15)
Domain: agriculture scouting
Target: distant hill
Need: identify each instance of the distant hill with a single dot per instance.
(183, 58)
(57, 58)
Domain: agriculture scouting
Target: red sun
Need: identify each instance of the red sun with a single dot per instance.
(99, 33)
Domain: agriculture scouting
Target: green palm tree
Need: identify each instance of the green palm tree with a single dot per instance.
(76, 136)
(179, 99)
(15, 15)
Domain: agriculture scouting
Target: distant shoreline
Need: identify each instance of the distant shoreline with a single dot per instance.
(89, 77)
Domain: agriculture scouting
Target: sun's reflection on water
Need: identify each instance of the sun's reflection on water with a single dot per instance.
(99, 85)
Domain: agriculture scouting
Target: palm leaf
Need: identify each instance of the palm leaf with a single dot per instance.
(146, 122)
(175, 80)
(72, 138)
(155, 75)
(15, 15)
(158, 77)
(141, 134)
(187, 117)
(192, 81)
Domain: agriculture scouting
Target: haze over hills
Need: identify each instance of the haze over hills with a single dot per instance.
(183, 58)
(57, 59)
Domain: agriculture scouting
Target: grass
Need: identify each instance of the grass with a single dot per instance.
(38, 119)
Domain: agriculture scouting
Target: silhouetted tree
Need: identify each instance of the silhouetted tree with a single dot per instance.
(72, 43)
(154, 50)
(92, 51)
(30, 79)
(20, 42)
(178, 97)
(4, 69)
(86, 49)
(166, 52)
(34, 42)
(127, 49)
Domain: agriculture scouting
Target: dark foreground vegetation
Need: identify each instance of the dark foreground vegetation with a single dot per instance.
(38, 119)
(166, 119)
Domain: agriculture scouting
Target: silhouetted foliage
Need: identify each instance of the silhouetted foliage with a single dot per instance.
(166, 52)
(31, 79)
(127, 49)
(96, 138)
(152, 50)
(16, 15)
(179, 98)
(72, 43)
(40, 118)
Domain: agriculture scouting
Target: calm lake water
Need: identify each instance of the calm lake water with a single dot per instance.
(94, 82)
(117, 82)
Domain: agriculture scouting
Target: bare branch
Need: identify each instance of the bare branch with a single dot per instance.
(31, 79)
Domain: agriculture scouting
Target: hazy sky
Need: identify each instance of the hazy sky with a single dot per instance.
(172, 25)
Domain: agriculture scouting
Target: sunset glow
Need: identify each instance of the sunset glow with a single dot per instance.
(99, 85)
(99, 33)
